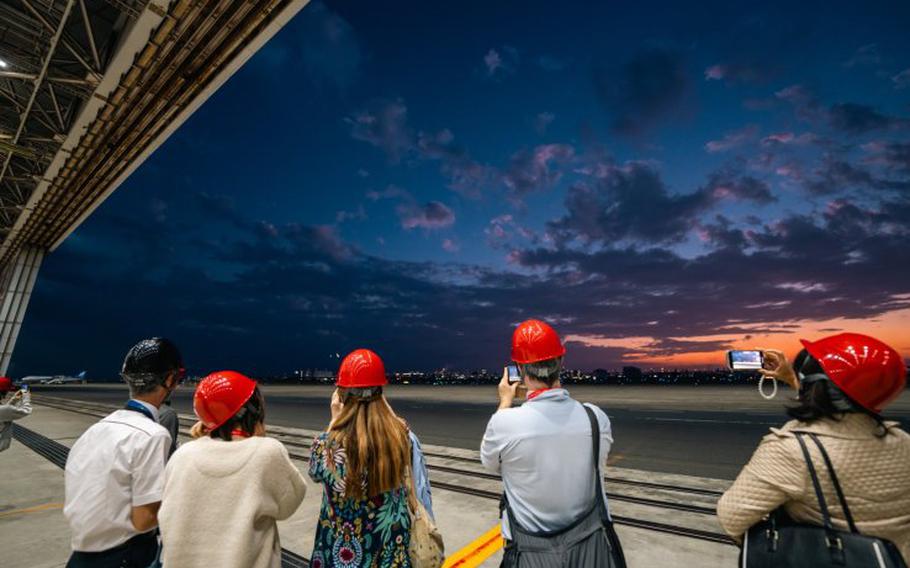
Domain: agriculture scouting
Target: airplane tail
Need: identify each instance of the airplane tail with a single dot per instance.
(81, 375)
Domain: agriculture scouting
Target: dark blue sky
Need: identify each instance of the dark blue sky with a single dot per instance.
(660, 181)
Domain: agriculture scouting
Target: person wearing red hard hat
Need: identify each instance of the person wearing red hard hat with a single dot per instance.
(14, 407)
(363, 461)
(844, 383)
(231, 481)
(549, 452)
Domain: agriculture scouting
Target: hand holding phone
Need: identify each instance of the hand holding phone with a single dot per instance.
(778, 368)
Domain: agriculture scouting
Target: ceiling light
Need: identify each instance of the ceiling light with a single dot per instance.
(3, 64)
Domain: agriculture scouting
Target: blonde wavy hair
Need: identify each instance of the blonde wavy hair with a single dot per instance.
(376, 445)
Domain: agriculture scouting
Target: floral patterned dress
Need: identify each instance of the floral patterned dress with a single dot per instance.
(366, 533)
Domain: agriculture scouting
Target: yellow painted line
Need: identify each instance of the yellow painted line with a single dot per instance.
(475, 553)
(35, 509)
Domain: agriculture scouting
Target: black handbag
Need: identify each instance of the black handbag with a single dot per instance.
(780, 542)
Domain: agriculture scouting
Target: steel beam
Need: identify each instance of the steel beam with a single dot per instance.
(38, 80)
(18, 281)
(69, 47)
(91, 35)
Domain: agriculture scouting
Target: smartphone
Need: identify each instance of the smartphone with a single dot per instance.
(745, 360)
(514, 374)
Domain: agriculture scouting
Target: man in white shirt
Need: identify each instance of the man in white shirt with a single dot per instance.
(543, 449)
(115, 470)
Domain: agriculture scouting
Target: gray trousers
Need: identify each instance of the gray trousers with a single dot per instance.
(585, 544)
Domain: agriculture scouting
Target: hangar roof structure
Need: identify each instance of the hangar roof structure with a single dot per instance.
(88, 90)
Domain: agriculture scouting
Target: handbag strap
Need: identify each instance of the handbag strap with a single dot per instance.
(595, 446)
(834, 480)
(819, 494)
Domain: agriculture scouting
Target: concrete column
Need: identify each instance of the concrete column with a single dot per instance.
(16, 284)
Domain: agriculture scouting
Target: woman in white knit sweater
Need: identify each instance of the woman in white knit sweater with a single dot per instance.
(225, 491)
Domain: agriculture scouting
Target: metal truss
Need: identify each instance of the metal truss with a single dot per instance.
(92, 87)
(53, 53)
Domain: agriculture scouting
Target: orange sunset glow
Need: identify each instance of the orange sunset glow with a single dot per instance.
(891, 328)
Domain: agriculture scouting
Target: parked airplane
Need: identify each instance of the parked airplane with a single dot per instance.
(54, 380)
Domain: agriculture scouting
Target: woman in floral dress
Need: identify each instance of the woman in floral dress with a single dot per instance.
(363, 461)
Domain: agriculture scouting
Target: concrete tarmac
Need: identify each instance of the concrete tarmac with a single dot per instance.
(34, 534)
(693, 430)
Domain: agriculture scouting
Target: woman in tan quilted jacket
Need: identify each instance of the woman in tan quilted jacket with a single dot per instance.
(844, 383)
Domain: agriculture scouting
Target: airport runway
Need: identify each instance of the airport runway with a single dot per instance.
(703, 431)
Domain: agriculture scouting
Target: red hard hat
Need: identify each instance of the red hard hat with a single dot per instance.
(535, 341)
(6, 385)
(360, 369)
(220, 395)
(867, 370)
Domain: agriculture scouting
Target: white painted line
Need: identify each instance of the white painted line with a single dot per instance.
(711, 421)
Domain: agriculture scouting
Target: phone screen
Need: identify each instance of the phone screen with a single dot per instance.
(744, 360)
(514, 375)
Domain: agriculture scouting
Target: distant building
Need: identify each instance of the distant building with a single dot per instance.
(632, 374)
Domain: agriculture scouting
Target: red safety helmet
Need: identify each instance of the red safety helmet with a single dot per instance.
(6, 385)
(867, 370)
(535, 341)
(220, 395)
(361, 369)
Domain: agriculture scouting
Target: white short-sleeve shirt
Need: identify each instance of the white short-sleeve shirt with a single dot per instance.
(543, 451)
(116, 465)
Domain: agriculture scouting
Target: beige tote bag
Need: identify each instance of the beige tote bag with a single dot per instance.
(427, 549)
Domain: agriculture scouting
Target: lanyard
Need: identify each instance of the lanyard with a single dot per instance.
(534, 394)
(138, 407)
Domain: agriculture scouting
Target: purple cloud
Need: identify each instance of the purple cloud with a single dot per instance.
(391, 192)
(430, 216)
(848, 118)
(493, 61)
(733, 139)
(358, 214)
(330, 51)
(788, 138)
(466, 176)
(837, 175)
(385, 126)
(732, 73)
(902, 79)
(651, 86)
(631, 202)
(864, 56)
(451, 246)
(855, 119)
(894, 157)
(501, 61)
(537, 169)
